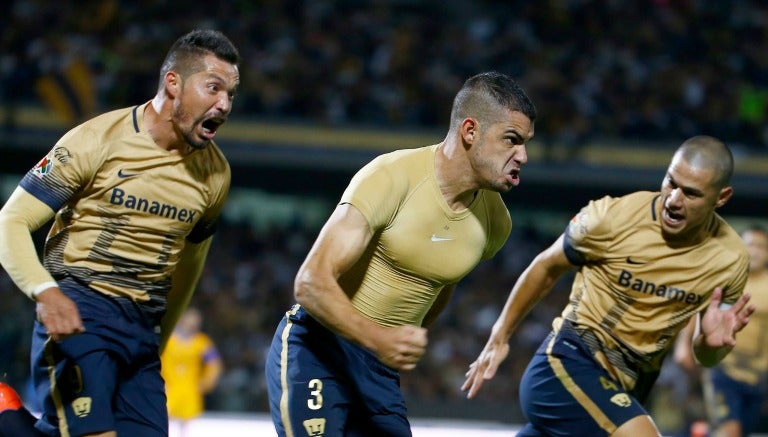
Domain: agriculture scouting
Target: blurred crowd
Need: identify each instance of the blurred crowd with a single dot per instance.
(638, 69)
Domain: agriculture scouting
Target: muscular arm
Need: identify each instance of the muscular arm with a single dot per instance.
(683, 351)
(341, 242)
(534, 283)
(183, 283)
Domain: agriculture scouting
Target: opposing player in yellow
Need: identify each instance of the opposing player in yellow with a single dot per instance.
(410, 225)
(191, 369)
(734, 390)
(647, 262)
(135, 194)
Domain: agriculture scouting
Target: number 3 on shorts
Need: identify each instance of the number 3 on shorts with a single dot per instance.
(316, 402)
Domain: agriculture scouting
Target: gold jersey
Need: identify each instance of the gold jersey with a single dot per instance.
(748, 361)
(183, 366)
(420, 244)
(633, 293)
(124, 206)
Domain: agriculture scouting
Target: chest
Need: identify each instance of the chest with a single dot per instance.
(426, 241)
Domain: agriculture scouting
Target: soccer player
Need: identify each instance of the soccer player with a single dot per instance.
(647, 262)
(735, 389)
(134, 194)
(410, 225)
(191, 367)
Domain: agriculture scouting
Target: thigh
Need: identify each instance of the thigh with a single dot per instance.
(140, 404)
(75, 381)
(731, 400)
(381, 410)
(572, 395)
(305, 393)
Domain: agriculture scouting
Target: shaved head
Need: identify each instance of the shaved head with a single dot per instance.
(707, 152)
(485, 96)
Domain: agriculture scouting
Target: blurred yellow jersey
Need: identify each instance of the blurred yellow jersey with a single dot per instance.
(633, 292)
(124, 206)
(183, 364)
(748, 361)
(420, 244)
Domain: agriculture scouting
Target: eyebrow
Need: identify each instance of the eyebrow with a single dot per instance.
(686, 189)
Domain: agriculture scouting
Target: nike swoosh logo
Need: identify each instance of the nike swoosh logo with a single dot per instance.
(436, 238)
(632, 261)
(120, 174)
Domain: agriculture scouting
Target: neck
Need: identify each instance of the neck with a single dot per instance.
(454, 175)
(158, 123)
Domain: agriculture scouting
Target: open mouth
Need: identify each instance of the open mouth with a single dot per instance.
(211, 125)
(673, 218)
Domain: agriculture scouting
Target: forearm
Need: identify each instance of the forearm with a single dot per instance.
(534, 283)
(706, 355)
(183, 283)
(20, 216)
(329, 305)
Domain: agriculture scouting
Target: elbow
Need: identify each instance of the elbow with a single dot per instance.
(303, 287)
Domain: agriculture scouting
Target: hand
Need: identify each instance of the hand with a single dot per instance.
(58, 314)
(401, 347)
(719, 327)
(485, 366)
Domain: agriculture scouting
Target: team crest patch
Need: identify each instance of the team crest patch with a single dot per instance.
(315, 427)
(621, 399)
(43, 167)
(82, 406)
(579, 223)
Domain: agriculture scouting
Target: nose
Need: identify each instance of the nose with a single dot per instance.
(675, 198)
(521, 154)
(224, 103)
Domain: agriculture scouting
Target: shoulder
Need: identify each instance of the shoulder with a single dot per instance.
(102, 129)
(729, 242)
(400, 161)
(397, 170)
(216, 160)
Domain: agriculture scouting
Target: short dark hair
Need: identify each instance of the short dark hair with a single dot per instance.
(484, 92)
(185, 54)
(709, 152)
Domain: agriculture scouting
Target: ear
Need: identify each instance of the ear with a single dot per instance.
(468, 130)
(724, 196)
(172, 83)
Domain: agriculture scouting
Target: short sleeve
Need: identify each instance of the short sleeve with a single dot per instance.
(589, 233)
(376, 193)
(69, 166)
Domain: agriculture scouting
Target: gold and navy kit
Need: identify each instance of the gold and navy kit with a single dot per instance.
(736, 388)
(631, 295)
(125, 206)
(318, 381)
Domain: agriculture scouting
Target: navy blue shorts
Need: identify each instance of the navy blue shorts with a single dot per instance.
(729, 399)
(322, 384)
(107, 378)
(567, 393)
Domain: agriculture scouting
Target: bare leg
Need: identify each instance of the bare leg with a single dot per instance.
(640, 426)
